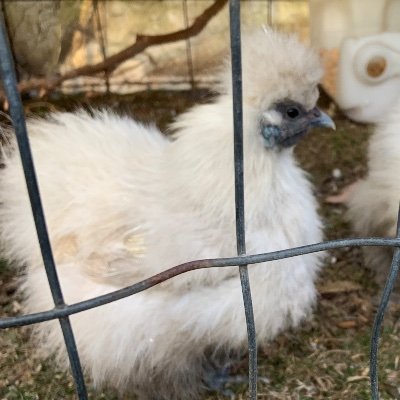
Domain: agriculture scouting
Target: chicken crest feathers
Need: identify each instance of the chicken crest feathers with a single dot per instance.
(274, 66)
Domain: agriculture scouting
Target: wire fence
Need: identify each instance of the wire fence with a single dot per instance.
(62, 311)
(98, 30)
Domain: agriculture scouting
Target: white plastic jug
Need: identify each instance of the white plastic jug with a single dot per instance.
(360, 56)
(368, 80)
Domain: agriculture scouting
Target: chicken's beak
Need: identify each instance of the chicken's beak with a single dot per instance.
(320, 119)
(292, 129)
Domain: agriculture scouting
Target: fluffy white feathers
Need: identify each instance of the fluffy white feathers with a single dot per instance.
(374, 201)
(123, 202)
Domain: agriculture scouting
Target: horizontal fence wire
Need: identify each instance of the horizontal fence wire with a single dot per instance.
(8, 75)
(62, 311)
(170, 273)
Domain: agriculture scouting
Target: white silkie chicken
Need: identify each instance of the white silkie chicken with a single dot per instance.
(374, 201)
(124, 202)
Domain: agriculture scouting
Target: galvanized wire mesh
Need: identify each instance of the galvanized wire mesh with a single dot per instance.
(62, 311)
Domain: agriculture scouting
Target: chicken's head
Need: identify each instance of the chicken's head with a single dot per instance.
(287, 122)
(280, 88)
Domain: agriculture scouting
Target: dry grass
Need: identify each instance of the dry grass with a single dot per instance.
(327, 358)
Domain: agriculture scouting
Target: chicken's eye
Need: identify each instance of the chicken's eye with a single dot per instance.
(292, 112)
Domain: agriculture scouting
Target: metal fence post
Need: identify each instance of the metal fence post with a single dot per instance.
(7, 71)
(236, 60)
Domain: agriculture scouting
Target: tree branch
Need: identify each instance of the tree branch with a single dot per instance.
(109, 64)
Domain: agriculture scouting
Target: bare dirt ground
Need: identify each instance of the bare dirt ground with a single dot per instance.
(327, 358)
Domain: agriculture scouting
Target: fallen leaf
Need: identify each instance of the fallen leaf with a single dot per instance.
(338, 287)
(347, 324)
(357, 378)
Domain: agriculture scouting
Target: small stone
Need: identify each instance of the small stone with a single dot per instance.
(337, 173)
(16, 306)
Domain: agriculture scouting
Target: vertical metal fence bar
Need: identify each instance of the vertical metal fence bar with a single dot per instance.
(189, 55)
(7, 71)
(376, 330)
(269, 12)
(234, 13)
(102, 41)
